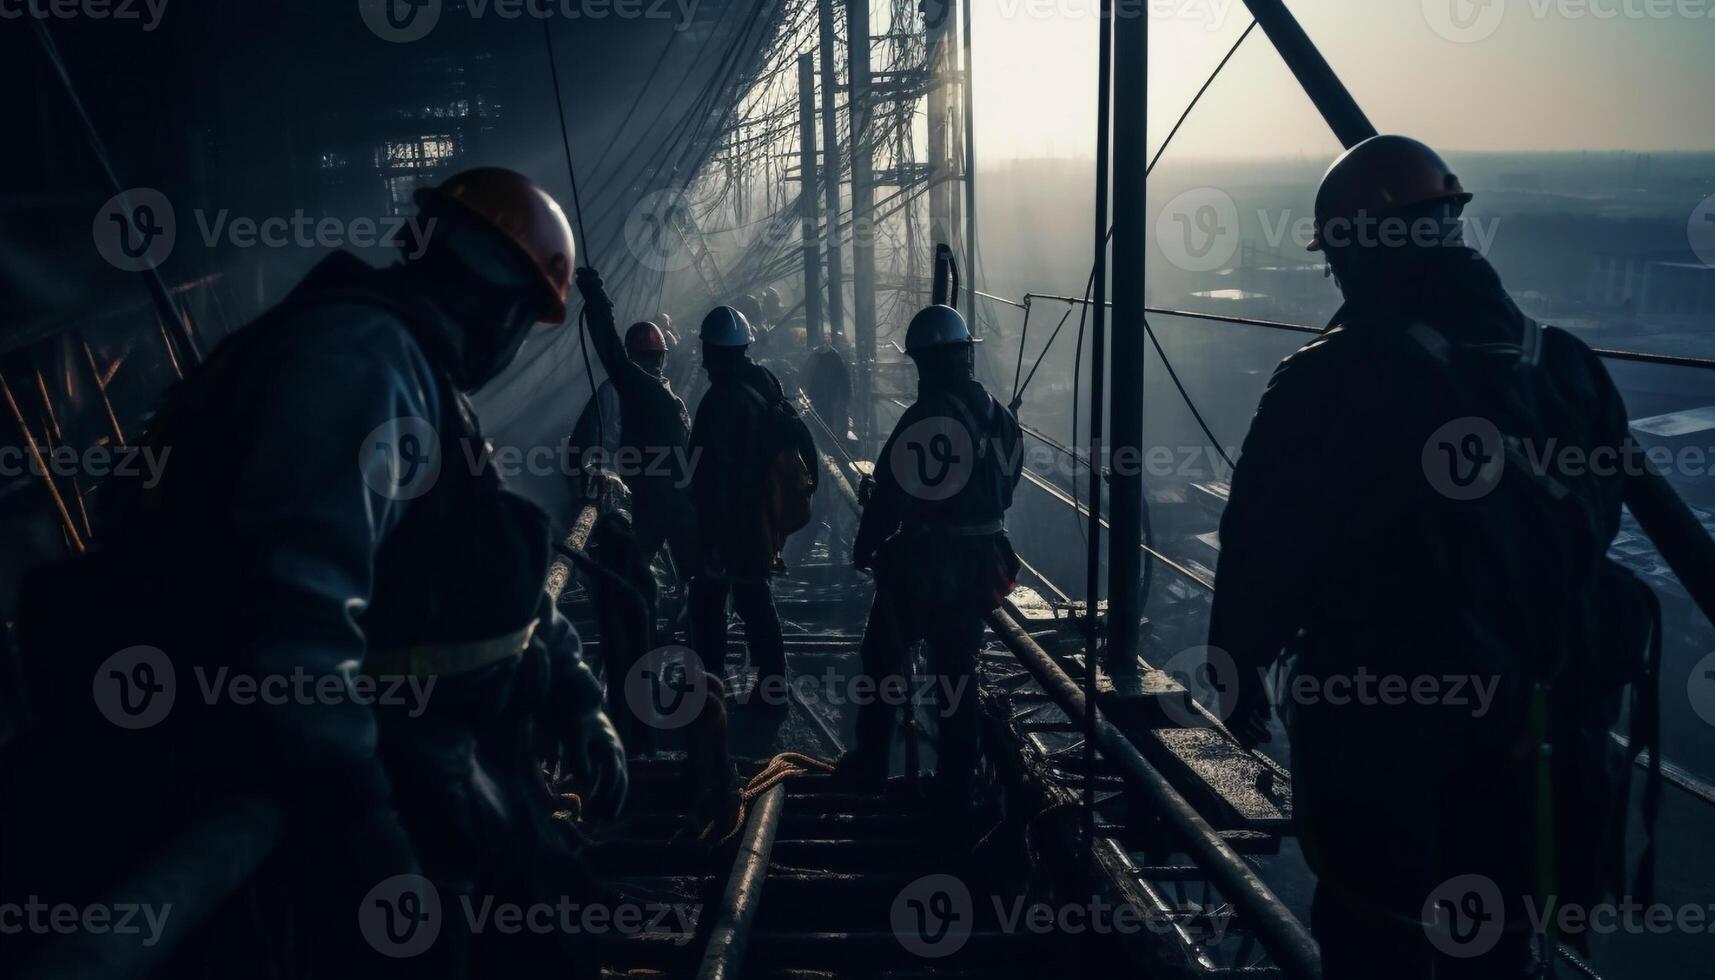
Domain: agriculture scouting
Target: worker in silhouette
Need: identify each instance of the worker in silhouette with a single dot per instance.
(678, 369)
(756, 468)
(934, 533)
(1386, 522)
(332, 513)
(595, 439)
(651, 454)
(827, 382)
(654, 429)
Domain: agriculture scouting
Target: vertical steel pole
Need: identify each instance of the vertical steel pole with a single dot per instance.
(863, 212)
(1125, 507)
(939, 106)
(807, 190)
(968, 82)
(831, 176)
(1098, 393)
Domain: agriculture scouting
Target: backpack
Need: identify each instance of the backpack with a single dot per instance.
(1578, 633)
(993, 449)
(789, 483)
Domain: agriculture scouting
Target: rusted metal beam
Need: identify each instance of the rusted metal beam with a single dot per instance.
(577, 540)
(35, 450)
(724, 956)
(1281, 931)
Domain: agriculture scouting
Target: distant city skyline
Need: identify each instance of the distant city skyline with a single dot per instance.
(1472, 75)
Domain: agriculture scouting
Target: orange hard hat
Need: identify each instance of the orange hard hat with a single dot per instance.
(512, 204)
(644, 337)
(1383, 174)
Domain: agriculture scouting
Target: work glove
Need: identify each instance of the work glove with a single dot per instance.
(597, 759)
(596, 303)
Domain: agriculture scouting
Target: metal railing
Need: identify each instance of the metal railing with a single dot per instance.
(1612, 353)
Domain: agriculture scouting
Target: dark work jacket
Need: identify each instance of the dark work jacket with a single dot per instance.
(287, 550)
(1336, 544)
(986, 494)
(597, 426)
(931, 547)
(728, 444)
(653, 422)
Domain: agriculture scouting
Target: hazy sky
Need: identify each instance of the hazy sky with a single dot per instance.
(1461, 74)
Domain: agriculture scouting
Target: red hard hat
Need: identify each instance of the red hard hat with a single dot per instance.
(1380, 175)
(512, 204)
(665, 322)
(645, 338)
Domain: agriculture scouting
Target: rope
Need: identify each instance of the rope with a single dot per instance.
(1018, 368)
(1186, 396)
(565, 134)
(1018, 389)
(577, 216)
(782, 767)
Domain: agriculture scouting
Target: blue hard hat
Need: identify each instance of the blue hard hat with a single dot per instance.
(936, 326)
(726, 327)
